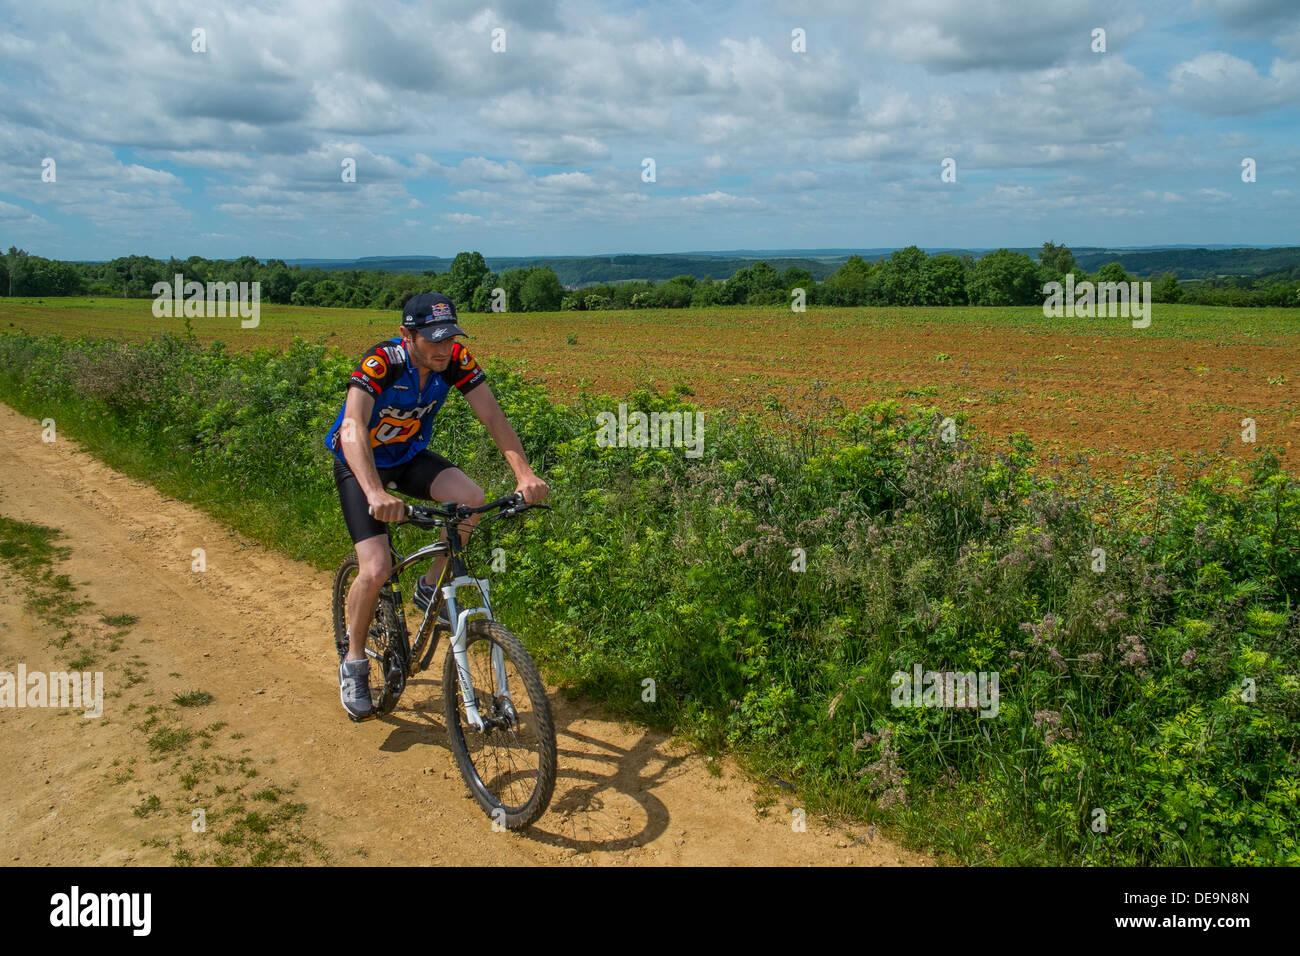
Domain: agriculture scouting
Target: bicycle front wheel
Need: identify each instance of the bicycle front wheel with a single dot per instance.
(510, 766)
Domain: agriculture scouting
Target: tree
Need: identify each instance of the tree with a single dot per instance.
(704, 294)
(764, 285)
(278, 282)
(851, 283)
(402, 288)
(482, 298)
(905, 278)
(1004, 277)
(947, 280)
(1166, 288)
(1058, 258)
(796, 278)
(243, 269)
(512, 280)
(735, 290)
(541, 291)
(1112, 272)
(15, 260)
(465, 276)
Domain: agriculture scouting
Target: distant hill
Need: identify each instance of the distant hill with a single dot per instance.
(589, 270)
(574, 271)
(1194, 263)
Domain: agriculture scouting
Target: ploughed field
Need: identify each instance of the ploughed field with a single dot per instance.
(1122, 396)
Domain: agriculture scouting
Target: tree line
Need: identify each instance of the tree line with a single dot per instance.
(908, 277)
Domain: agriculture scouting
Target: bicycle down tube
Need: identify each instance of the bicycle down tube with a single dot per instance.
(461, 619)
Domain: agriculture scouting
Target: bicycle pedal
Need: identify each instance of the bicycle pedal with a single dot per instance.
(396, 681)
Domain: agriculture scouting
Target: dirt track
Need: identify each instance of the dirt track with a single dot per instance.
(253, 630)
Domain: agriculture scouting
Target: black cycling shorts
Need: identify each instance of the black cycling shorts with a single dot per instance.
(410, 478)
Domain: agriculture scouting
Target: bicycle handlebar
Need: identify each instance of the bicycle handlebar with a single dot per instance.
(509, 505)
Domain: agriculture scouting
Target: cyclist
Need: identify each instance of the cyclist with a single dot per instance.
(379, 441)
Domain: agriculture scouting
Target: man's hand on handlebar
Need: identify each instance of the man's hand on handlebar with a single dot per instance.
(533, 489)
(384, 507)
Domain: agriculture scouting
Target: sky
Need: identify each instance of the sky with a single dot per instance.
(524, 127)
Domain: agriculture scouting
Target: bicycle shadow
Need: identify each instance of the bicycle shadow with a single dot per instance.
(590, 810)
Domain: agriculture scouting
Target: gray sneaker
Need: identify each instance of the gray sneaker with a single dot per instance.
(354, 689)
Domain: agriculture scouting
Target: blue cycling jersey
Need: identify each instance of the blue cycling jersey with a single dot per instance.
(402, 419)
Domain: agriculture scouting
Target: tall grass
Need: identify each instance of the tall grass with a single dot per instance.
(1149, 709)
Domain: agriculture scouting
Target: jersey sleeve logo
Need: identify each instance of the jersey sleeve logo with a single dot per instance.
(464, 373)
(375, 367)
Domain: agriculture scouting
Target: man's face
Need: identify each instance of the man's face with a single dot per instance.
(433, 356)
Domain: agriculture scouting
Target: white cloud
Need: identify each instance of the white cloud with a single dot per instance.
(952, 36)
(798, 179)
(564, 150)
(720, 201)
(1220, 84)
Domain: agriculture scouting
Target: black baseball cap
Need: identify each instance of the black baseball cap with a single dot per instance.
(431, 314)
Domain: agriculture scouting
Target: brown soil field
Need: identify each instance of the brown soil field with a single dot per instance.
(1123, 397)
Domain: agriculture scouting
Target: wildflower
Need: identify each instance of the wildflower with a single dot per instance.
(1042, 632)
(1055, 731)
(1188, 656)
(885, 774)
(1135, 654)
(891, 796)
(1050, 717)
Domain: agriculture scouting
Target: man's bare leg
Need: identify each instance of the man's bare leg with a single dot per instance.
(375, 565)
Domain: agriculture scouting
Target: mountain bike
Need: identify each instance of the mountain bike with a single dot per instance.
(498, 717)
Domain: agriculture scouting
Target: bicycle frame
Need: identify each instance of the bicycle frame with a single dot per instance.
(460, 578)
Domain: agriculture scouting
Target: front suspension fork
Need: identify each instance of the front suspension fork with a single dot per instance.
(459, 642)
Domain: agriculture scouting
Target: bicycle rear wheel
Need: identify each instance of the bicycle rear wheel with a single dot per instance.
(510, 768)
(378, 643)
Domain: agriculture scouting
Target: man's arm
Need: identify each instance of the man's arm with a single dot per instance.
(355, 444)
(489, 412)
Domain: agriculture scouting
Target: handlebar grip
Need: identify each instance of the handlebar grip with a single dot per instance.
(370, 509)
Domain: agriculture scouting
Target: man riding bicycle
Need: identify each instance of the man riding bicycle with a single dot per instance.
(379, 441)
